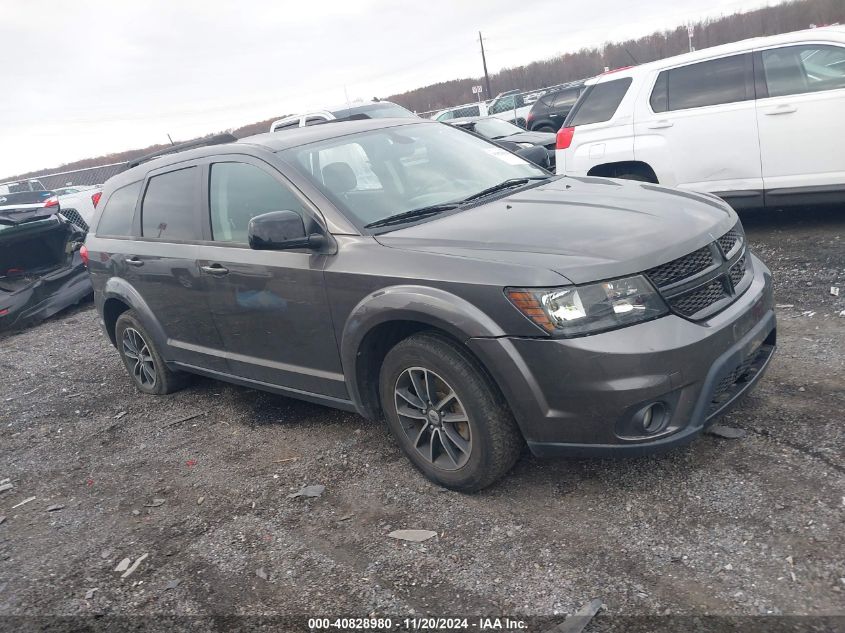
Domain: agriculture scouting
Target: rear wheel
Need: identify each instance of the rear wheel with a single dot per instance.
(143, 361)
(545, 128)
(446, 415)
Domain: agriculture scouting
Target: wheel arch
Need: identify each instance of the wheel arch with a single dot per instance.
(120, 296)
(620, 168)
(388, 316)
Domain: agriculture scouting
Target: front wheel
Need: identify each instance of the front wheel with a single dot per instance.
(446, 415)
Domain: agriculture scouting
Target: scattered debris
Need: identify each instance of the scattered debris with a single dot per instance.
(261, 573)
(190, 463)
(783, 306)
(729, 567)
(136, 513)
(106, 553)
(345, 517)
(308, 491)
(172, 584)
(414, 536)
(790, 560)
(90, 593)
(155, 503)
(579, 620)
(808, 313)
(200, 500)
(24, 502)
(286, 459)
(6, 487)
(56, 507)
(123, 565)
(134, 566)
(184, 419)
(727, 432)
(2, 520)
(120, 415)
(842, 314)
(834, 290)
(74, 395)
(5, 481)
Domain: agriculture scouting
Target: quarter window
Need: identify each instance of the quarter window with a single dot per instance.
(599, 103)
(168, 210)
(798, 69)
(117, 215)
(238, 193)
(714, 82)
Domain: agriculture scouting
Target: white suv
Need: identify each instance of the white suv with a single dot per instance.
(759, 122)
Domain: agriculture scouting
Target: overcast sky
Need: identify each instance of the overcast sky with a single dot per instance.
(85, 78)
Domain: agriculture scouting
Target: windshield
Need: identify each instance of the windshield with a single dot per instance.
(373, 175)
(496, 128)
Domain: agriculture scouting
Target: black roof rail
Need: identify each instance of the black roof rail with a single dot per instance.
(217, 139)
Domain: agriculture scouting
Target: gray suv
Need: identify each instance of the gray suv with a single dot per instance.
(411, 272)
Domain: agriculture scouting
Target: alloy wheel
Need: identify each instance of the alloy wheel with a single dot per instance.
(433, 418)
(135, 348)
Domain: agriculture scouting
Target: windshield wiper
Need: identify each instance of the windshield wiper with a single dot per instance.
(413, 214)
(506, 184)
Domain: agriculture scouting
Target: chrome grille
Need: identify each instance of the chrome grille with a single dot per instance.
(705, 281)
(682, 267)
(74, 217)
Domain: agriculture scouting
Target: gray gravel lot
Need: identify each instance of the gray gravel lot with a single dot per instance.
(748, 526)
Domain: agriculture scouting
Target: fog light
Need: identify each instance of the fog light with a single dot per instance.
(652, 419)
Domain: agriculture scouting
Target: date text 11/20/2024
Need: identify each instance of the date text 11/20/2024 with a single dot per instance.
(417, 624)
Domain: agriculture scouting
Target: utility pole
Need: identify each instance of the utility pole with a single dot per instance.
(690, 33)
(484, 61)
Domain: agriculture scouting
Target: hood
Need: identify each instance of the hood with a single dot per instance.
(585, 229)
(538, 138)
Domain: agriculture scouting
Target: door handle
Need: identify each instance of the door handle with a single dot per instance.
(657, 125)
(784, 109)
(134, 261)
(215, 269)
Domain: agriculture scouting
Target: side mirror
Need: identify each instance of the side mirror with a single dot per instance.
(280, 231)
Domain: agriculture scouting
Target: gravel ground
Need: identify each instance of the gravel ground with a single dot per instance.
(735, 527)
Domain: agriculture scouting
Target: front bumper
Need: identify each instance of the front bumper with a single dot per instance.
(578, 396)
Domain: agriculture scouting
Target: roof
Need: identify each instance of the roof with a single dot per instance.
(833, 33)
(270, 141)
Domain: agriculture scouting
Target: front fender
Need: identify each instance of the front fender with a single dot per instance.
(119, 288)
(432, 306)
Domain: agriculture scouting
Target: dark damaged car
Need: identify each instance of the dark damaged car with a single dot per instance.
(41, 269)
(415, 273)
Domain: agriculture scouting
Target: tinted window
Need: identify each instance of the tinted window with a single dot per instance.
(659, 100)
(565, 98)
(119, 211)
(797, 69)
(599, 102)
(238, 193)
(709, 83)
(168, 208)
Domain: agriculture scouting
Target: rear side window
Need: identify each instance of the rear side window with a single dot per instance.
(599, 103)
(565, 98)
(168, 210)
(714, 82)
(795, 70)
(116, 219)
(239, 192)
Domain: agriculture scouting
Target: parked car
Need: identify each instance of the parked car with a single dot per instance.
(372, 110)
(411, 271)
(41, 270)
(461, 112)
(78, 204)
(526, 144)
(550, 111)
(757, 122)
(510, 106)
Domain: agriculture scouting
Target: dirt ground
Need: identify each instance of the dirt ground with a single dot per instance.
(739, 527)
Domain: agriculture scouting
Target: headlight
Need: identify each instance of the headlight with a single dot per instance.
(579, 310)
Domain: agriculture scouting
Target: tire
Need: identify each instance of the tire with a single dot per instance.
(477, 414)
(545, 128)
(149, 373)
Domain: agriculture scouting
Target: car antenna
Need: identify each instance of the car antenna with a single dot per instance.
(631, 55)
(170, 139)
